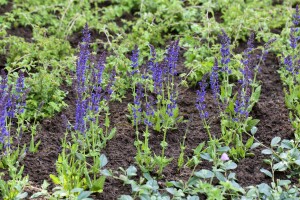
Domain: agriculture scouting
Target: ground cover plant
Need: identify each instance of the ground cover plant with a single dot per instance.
(161, 99)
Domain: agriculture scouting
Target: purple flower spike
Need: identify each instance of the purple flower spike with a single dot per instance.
(224, 157)
(200, 105)
(225, 52)
(137, 109)
(242, 103)
(149, 111)
(293, 38)
(214, 80)
(81, 68)
(288, 61)
(157, 76)
(135, 59)
(172, 57)
(3, 116)
(171, 106)
(296, 17)
(151, 62)
(84, 55)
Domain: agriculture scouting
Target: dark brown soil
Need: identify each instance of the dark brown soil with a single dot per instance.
(21, 31)
(6, 8)
(51, 131)
(277, 2)
(100, 38)
(2, 61)
(217, 15)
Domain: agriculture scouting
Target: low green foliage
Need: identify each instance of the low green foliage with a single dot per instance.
(45, 97)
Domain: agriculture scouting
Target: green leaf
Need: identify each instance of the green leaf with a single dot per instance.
(286, 144)
(253, 130)
(251, 123)
(266, 151)
(22, 195)
(112, 133)
(280, 166)
(223, 149)
(204, 173)
(249, 142)
(38, 194)
(193, 198)
(103, 160)
(55, 179)
(131, 171)
(230, 165)
(54, 106)
(284, 182)
(220, 176)
(45, 184)
(106, 172)
(266, 172)
(199, 148)
(83, 195)
(297, 162)
(206, 156)
(76, 190)
(256, 94)
(125, 197)
(254, 145)
(80, 156)
(98, 184)
(275, 141)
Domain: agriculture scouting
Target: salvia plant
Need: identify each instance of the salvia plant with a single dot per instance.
(92, 98)
(155, 106)
(12, 106)
(12, 110)
(79, 163)
(289, 72)
(234, 108)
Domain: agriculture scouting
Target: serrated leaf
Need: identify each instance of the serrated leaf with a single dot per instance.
(55, 179)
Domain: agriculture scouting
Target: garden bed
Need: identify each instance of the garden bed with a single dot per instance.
(275, 117)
